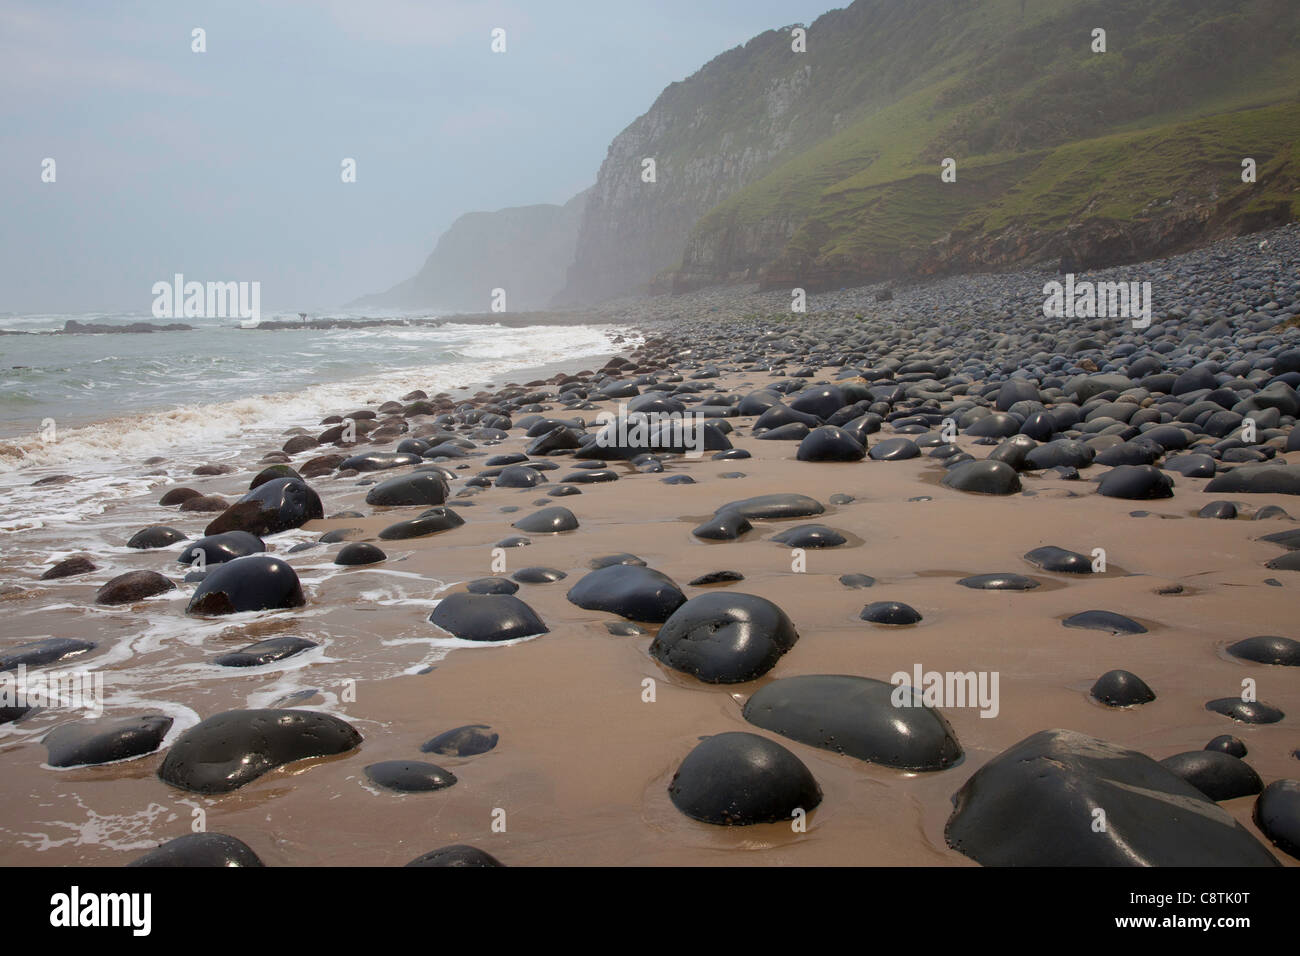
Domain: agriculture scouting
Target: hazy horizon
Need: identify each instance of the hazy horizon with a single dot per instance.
(225, 165)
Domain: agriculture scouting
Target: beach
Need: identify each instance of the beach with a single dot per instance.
(592, 724)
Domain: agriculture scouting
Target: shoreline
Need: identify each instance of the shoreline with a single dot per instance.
(584, 761)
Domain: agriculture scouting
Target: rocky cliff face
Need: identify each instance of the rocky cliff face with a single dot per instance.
(633, 229)
(821, 168)
(525, 250)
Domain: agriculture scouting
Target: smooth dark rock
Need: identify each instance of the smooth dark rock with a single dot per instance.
(1224, 510)
(628, 590)
(519, 476)
(1121, 688)
(220, 548)
(828, 443)
(278, 505)
(487, 617)
(1245, 711)
(45, 651)
(410, 776)
(133, 586)
(553, 520)
(230, 749)
(739, 779)
(857, 580)
(775, 507)
(1277, 814)
(95, 741)
(983, 478)
(810, 536)
(491, 586)
(538, 575)
(200, 849)
(894, 449)
(857, 716)
(265, 652)
(724, 637)
(1228, 744)
(434, 521)
(723, 526)
(716, 577)
(467, 741)
(1137, 483)
(606, 560)
(456, 855)
(255, 583)
(1052, 558)
(1257, 480)
(155, 536)
(1104, 621)
(378, 461)
(1218, 775)
(890, 612)
(1005, 581)
(68, 567)
(418, 488)
(1268, 650)
(1032, 806)
(359, 552)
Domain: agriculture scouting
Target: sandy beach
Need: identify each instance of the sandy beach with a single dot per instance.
(591, 726)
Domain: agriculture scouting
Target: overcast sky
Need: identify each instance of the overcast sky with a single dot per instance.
(225, 165)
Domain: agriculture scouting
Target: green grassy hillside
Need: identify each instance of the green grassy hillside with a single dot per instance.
(1048, 137)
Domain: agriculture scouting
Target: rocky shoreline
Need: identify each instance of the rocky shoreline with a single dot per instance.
(1077, 539)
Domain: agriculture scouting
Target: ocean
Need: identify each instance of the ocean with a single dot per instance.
(97, 405)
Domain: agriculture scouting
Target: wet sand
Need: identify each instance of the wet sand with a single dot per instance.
(583, 763)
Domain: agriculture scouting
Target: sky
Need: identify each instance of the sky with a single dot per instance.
(226, 165)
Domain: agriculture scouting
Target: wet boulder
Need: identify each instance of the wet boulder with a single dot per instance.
(95, 741)
(863, 718)
(200, 849)
(739, 779)
(486, 617)
(1033, 805)
(628, 590)
(230, 749)
(281, 504)
(254, 583)
(417, 488)
(724, 637)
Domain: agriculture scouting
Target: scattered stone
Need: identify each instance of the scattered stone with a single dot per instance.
(1023, 807)
(467, 741)
(630, 591)
(95, 741)
(863, 718)
(487, 617)
(230, 749)
(890, 612)
(1120, 688)
(1218, 775)
(359, 552)
(133, 586)
(739, 779)
(200, 849)
(255, 583)
(410, 776)
(265, 652)
(1268, 650)
(724, 637)
(456, 855)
